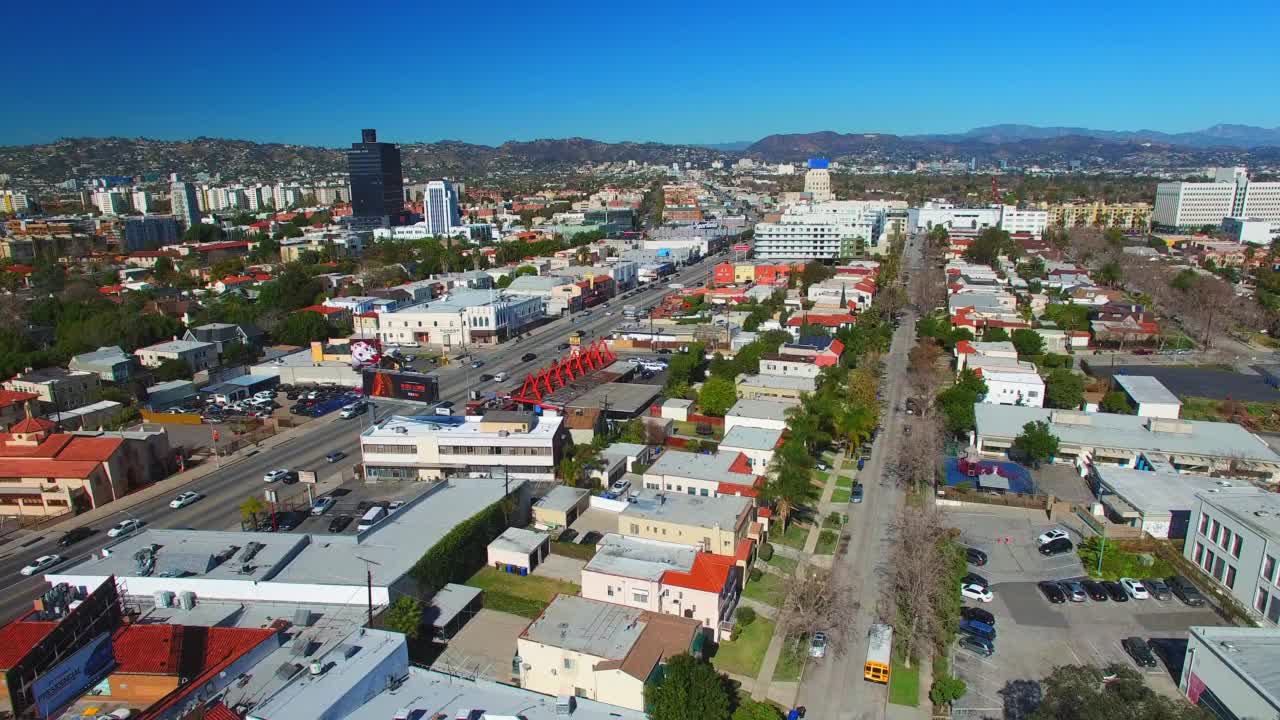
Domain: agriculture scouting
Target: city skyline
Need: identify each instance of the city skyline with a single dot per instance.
(721, 74)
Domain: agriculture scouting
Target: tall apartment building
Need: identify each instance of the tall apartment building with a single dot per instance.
(817, 181)
(186, 206)
(1030, 220)
(111, 202)
(1129, 216)
(829, 231)
(141, 201)
(377, 182)
(14, 202)
(1231, 194)
(440, 207)
(151, 232)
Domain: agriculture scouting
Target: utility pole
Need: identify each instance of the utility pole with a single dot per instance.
(368, 575)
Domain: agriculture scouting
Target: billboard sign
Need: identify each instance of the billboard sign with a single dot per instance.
(741, 247)
(69, 678)
(401, 385)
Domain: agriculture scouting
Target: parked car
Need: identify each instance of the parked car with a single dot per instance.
(339, 523)
(40, 564)
(395, 505)
(1157, 587)
(124, 527)
(1135, 589)
(335, 456)
(982, 616)
(977, 645)
(620, 487)
(1096, 591)
(1051, 535)
(975, 556)
(975, 579)
(568, 535)
(184, 499)
(591, 537)
(1115, 591)
(976, 592)
(978, 629)
(1139, 651)
(818, 645)
(1060, 546)
(74, 535)
(855, 495)
(1052, 592)
(1074, 590)
(528, 357)
(323, 505)
(274, 475)
(1182, 588)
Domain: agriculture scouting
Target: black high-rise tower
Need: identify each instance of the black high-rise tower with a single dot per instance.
(377, 182)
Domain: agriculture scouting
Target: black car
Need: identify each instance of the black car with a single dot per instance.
(1139, 651)
(855, 496)
(978, 645)
(290, 478)
(74, 535)
(1158, 588)
(1095, 590)
(562, 346)
(335, 456)
(591, 538)
(339, 523)
(1116, 591)
(528, 357)
(485, 377)
(1056, 547)
(975, 556)
(978, 614)
(1185, 591)
(975, 579)
(1053, 592)
(290, 520)
(568, 535)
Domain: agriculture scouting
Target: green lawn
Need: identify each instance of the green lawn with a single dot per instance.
(827, 541)
(841, 495)
(904, 685)
(818, 477)
(795, 653)
(769, 589)
(834, 521)
(524, 596)
(785, 565)
(744, 655)
(794, 537)
(1117, 564)
(844, 481)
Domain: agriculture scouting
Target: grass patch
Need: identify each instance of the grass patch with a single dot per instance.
(827, 541)
(841, 495)
(794, 537)
(834, 521)
(769, 589)
(523, 596)
(1117, 563)
(844, 481)
(684, 427)
(904, 685)
(783, 564)
(573, 550)
(745, 655)
(795, 653)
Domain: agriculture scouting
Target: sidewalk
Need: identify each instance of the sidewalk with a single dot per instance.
(764, 685)
(168, 486)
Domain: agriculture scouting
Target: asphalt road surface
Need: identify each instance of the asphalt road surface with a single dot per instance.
(834, 688)
(226, 488)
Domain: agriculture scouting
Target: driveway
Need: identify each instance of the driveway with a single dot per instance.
(483, 647)
(561, 568)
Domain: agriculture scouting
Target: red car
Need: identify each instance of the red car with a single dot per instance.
(1144, 351)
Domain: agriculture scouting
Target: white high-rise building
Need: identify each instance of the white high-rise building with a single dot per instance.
(111, 202)
(817, 181)
(1232, 194)
(440, 207)
(142, 201)
(185, 205)
(830, 231)
(13, 202)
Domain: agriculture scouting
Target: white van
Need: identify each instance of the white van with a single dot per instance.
(499, 377)
(374, 516)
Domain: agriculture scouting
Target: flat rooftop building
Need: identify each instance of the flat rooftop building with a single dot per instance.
(1150, 396)
(1233, 671)
(522, 445)
(1160, 503)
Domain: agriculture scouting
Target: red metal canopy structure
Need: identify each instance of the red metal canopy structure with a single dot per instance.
(576, 364)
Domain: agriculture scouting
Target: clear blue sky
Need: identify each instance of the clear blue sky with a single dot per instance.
(690, 71)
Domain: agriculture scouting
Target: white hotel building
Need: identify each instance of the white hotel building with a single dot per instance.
(826, 231)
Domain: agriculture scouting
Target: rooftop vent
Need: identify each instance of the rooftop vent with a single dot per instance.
(1229, 646)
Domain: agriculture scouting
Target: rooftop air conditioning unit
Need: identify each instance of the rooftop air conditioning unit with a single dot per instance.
(186, 600)
(316, 668)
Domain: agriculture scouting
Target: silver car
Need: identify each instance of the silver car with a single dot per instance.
(1074, 590)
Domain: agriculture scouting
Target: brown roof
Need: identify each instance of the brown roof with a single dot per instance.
(663, 637)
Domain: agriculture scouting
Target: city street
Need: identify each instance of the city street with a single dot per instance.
(241, 476)
(835, 688)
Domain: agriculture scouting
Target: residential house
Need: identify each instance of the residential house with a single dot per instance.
(111, 364)
(57, 389)
(724, 473)
(198, 355)
(223, 334)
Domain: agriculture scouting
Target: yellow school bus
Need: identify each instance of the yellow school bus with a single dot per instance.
(879, 653)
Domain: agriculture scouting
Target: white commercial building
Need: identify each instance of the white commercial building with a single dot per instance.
(440, 207)
(198, 355)
(1231, 671)
(1031, 221)
(111, 202)
(1231, 194)
(1150, 396)
(952, 217)
(828, 231)
(465, 317)
(1234, 539)
(817, 181)
(515, 444)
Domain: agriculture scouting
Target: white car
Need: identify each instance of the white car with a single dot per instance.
(40, 564)
(1135, 589)
(124, 527)
(620, 487)
(409, 343)
(184, 499)
(1051, 535)
(976, 592)
(274, 475)
(323, 505)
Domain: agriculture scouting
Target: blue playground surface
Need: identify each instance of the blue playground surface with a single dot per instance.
(1018, 478)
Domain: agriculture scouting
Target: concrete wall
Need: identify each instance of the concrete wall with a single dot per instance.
(599, 586)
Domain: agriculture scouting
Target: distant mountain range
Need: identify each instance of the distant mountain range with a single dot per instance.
(1017, 144)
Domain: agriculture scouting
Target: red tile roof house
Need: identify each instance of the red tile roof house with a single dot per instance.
(335, 316)
(159, 667)
(232, 282)
(12, 406)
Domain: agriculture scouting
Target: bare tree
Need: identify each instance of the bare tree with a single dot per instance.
(817, 600)
(917, 579)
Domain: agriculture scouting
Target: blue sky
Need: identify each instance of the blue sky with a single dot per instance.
(687, 71)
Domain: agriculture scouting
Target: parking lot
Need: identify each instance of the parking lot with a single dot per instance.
(1034, 636)
(352, 498)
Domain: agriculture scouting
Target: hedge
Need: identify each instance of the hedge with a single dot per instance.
(462, 551)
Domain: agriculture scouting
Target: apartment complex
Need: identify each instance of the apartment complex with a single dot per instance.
(56, 388)
(714, 524)
(500, 444)
(1128, 216)
(826, 232)
(198, 355)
